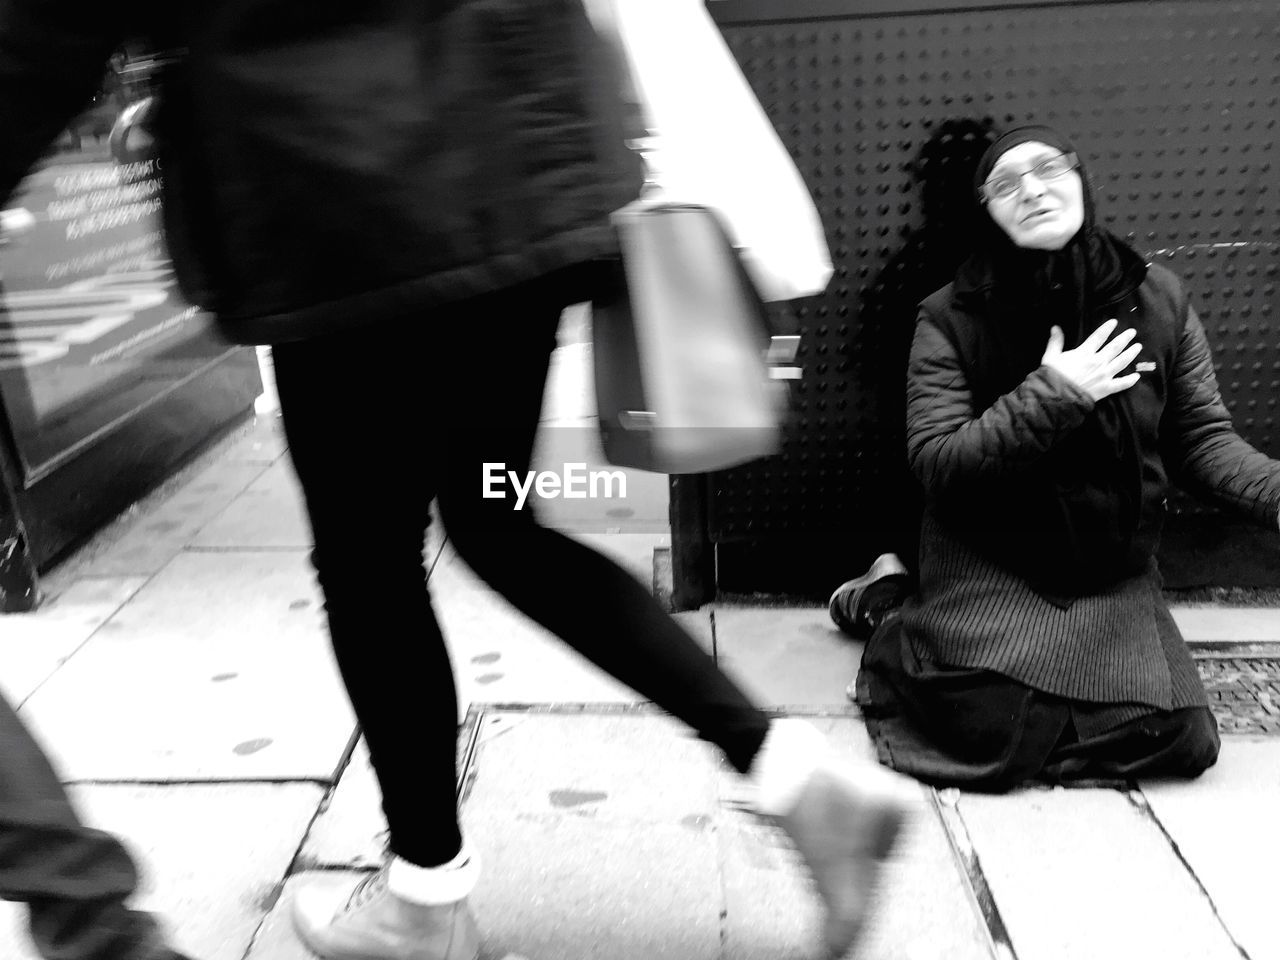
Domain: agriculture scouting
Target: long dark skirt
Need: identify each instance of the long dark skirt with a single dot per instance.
(980, 730)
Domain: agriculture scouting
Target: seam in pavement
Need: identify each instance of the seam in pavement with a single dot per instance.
(975, 880)
(112, 532)
(261, 548)
(1139, 801)
(146, 579)
(722, 866)
(470, 737)
(615, 707)
(277, 891)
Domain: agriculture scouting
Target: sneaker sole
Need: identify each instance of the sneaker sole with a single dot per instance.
(886, 568)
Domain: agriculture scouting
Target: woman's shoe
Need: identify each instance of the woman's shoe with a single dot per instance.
(858, 606)
(372, 923)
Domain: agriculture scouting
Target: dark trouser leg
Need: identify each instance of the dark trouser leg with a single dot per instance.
(355, 417)
(74, 880)
(373, 427)
(952, 726)
(601, 611)
(1175, 743)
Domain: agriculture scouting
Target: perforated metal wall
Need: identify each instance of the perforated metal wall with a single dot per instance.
(1174, 105)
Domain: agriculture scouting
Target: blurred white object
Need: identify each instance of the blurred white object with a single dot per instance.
(712, 143)
(15, 221)
(268, 402)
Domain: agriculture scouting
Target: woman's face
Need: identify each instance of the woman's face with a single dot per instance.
(1041, 214)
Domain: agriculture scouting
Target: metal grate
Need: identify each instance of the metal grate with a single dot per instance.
(1244, 694)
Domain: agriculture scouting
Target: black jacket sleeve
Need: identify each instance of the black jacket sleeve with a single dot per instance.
(52, 57)
(950, 443)
(1201, 448)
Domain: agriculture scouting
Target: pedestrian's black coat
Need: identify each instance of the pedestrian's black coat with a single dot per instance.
(331, 163)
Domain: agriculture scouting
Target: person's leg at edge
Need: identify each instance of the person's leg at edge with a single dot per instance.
(74, 880)
(842, 828)
(354, 412)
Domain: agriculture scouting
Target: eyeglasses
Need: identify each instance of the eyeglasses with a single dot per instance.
(1007, 184)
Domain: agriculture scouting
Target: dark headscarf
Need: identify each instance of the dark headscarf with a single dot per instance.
(1074, 526)
(1094, 268)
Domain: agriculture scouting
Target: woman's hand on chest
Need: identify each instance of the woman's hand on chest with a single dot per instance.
(1094, 365)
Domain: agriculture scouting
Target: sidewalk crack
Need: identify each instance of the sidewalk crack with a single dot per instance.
(1139, 801)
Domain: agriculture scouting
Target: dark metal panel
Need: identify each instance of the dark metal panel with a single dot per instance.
(1173, 104)
(18, 592)
(770, 11)
(69, 504)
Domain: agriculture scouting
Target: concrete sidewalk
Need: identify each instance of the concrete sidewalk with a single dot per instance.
(181, 678)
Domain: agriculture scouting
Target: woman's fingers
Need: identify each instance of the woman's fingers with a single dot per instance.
(1056, 340)
(1116, 344)
(1116, 385)
(1119, 362)
(1093, 365)
(1096, 339)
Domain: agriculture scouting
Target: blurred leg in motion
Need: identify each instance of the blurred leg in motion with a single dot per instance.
(74, 880)
(368, 481)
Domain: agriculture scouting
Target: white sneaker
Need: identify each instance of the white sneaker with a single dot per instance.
(843, 819)
(844, 825)
(372, 923)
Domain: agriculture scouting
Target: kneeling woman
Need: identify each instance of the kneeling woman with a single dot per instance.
(1053, 389)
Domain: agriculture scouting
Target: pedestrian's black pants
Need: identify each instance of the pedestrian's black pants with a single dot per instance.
(380, 424)
(74, 880)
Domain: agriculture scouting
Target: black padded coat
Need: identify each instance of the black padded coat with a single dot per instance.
(330, 163)
(975, 450)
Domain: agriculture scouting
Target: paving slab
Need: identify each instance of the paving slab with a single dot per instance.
(34, 645)
(500, 656)
(923, 913)
(268, 513)
(1087, 873)
(262, 442)
(1224, 826)
(350, 830)
(787, 656)
(1228, 624)
(636, 503)
(211, 857)
(155, 534)
(637, 768)
(276, 939)
(631, 551)
(219, 668)
(572, 889)
(597, 839)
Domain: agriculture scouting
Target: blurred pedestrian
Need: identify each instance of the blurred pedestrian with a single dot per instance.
(74, 880)
(401, 199)
(1054, 390)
